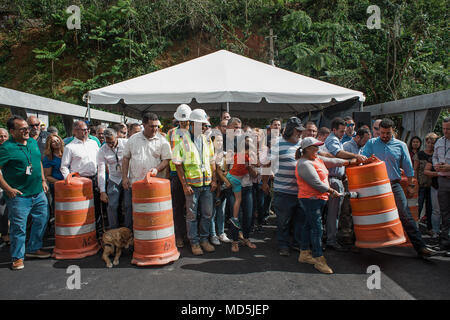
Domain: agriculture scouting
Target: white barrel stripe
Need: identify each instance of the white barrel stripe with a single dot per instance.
(75, 231)
(153, 234)
(373, 191)
(376, 218)
(75, 205)
(152, 206)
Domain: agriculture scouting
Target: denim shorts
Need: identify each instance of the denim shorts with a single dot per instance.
(236, 184)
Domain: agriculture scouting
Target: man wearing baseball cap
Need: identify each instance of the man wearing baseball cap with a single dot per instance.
(283, 163)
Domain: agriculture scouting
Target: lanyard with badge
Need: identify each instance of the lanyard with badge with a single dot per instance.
(29, 169)
(118, 167)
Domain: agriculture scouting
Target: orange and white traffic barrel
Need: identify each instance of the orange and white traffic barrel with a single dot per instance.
(75, 235)
(375, 216)
(154, 235)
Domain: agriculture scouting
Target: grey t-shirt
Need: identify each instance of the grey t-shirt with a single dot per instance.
(307, 171)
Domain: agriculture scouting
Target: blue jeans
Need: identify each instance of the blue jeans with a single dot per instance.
(425, 199)
(245, 214)
(19, 208)
(311, 222)
(219, 214)
(287, 209)
(201, 199)
(436, 215)
(408, 223)
(114, 191)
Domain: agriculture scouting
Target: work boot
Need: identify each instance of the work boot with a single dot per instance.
(196, 250)
(306, 257)
(321, 265)
(208, 247)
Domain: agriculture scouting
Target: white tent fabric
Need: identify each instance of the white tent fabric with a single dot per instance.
(222, 77)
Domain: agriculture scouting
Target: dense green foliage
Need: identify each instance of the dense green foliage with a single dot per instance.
(328, 40)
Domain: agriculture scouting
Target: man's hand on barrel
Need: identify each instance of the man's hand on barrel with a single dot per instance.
(360, 158)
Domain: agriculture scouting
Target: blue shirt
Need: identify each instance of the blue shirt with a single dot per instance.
(352, 146)
(283, 165)
(334, 145)
(347, 138)
(394, 153)
(55, 164)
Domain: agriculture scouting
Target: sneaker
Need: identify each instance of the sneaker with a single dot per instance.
(208, 247)
(235, 222)
(38, 254)
(223, 237)
(215, 240)
(234, 246)
(284, 252)
(18, 264)
(196, 250)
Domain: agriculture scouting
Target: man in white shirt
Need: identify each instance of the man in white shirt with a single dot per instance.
(145, 151)
(110, 156)
(81, 156)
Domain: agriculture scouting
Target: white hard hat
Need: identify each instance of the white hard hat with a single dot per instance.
(183, 112)
(199, 115)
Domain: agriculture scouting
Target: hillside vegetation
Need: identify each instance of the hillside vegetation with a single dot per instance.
(327, 40)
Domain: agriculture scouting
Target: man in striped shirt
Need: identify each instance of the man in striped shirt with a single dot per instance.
(285, 184)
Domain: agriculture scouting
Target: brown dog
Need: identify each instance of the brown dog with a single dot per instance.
(115, 240)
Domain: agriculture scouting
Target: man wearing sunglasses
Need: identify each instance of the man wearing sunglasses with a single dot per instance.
(22, 179)
(349, 130)
(37, 134)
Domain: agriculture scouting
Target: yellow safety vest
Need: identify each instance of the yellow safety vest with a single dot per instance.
(173, 136)
(186, 153)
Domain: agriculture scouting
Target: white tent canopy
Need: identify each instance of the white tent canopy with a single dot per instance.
(252, 89)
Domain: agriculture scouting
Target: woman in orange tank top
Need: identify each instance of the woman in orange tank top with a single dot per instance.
(313, 192)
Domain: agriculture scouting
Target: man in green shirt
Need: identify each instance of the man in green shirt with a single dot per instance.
(24, 186)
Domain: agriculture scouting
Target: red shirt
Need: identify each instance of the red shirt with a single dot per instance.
(239, 170)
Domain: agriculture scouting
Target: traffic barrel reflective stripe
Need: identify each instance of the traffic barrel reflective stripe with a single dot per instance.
(75, 233)
(154, 236)
(376, 218)
(372, 191)
(152, 206)
(375, 215)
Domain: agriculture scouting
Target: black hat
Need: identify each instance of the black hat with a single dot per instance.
(296, 123)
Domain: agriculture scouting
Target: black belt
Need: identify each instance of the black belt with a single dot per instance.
(91, 177)
(336, 177)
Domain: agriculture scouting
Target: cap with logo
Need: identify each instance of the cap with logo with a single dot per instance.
(183, 112)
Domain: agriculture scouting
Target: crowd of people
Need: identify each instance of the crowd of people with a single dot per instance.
(231, 177)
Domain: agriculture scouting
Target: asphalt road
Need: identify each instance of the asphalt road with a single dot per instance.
(250, 275)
